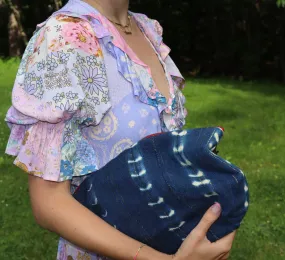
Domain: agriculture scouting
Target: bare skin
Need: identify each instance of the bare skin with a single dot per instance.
(142, 48)
(136, 41)
(55, 209)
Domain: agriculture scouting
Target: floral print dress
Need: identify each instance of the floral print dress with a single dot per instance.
(82, 96)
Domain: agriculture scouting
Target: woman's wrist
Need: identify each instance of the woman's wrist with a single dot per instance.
(148, 253)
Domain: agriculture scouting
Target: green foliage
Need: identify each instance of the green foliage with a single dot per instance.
(281, 3)
(254, 119)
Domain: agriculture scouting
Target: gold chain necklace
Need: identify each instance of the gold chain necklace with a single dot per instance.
(127, 29)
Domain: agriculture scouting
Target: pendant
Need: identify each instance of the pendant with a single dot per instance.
(128, 30)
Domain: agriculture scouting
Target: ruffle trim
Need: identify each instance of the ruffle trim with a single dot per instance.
(54, 152)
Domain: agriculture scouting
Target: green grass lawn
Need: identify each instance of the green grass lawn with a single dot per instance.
(254, 119)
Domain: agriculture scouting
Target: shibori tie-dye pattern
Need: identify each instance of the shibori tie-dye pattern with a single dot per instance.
(81, 97)
(174, 177)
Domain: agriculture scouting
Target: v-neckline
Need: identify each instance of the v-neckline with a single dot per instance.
(125, 47)
(141, 29)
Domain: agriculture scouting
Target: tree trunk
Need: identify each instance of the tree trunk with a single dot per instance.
(57, 4)
(282, 56)
(14, 37)
(282, 52)
(17, 35)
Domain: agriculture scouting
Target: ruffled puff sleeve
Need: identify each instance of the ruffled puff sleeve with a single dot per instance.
(61, 86)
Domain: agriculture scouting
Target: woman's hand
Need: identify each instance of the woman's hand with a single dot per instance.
(197, 247)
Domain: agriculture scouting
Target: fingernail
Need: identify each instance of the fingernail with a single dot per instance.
(216, 208)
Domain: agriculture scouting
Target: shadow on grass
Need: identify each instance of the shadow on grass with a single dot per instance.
(224, 114)
(225, 109)
(267, 88)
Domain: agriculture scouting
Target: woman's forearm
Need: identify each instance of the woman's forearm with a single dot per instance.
(56, 210)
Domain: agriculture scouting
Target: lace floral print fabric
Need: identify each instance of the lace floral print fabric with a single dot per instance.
(81, 97)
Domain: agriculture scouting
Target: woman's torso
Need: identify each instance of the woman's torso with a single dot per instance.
(136, 107)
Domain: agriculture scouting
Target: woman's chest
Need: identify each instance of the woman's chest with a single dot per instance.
(126, 123)
(137, 108)
(129, 119)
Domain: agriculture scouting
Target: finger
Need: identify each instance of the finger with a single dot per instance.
(224, 245)
(226, 256)
(208, 219)
(228, 239)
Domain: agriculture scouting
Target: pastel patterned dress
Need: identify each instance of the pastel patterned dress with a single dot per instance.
(82, 96)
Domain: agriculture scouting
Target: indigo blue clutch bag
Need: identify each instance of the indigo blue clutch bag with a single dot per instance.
(158, 190)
